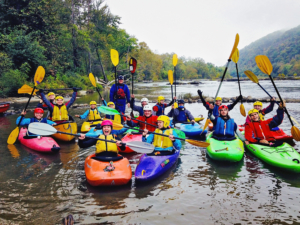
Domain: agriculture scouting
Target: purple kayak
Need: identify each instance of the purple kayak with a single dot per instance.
(151, 167)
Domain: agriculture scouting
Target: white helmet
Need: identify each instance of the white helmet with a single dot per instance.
(147, 107)
(145, 100)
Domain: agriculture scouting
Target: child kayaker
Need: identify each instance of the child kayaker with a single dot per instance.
(258, 131)
(144, 101)
(181, 114)
(93, 114)
(163, 145)
(116, 118)
(147, 117)
(262, 112)
(159, 108)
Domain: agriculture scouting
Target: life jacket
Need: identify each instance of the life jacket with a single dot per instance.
(120, 92)
(32, 120)
(161, 109)
(116, 118)
(261, 116)
(182, 116)
(223, 128)
(216, 110)
(152, 120)
(261, 130)
(102, 146)
(94, 115)
(60, 113)
(161, 141)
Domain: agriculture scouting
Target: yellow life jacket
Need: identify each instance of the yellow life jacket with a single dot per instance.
(161, 141)
(102, 146)
(60, 113)
(261, 116)
(94, 115)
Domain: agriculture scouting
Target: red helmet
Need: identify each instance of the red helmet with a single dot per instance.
(38, 110)
(106, 123)
(223, 107)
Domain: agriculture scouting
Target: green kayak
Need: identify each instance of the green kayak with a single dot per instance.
(228, 151)
(178, 132)
(283, 156)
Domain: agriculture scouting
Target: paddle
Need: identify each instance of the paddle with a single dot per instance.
(175, 60)
(44, 129)
(107, 110)
(26, 89)
(236, 42)
(266, 67)
(93, 81)
(114, 56)
(38, 78)
(205, 125)
(235, 58)
(171, 80)
(132, 68)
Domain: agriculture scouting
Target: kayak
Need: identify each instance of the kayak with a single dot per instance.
(42, 144)
(129, 137)
(4, 106)
(229, 151)
(192, 130)
(86, 126)
(98, 174)
(284, 156)
(68, 127)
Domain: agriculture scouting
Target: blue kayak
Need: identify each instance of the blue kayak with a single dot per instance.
(191, 130)
(151, 167)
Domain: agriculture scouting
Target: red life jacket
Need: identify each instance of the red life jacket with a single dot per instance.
(152, 120)
(259, 130)
(120, 93)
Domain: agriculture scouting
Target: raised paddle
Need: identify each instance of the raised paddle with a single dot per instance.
(93, 81)
(171, 80)
(38, 78)
(44, 129)
(266, 67)
(236, 42)
(132, 68)
(107, 110)
(205, 125)
(175, 61)
(26, 89)
(235, 58)
(114, 56)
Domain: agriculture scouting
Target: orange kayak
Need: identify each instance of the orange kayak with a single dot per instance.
(97, 174)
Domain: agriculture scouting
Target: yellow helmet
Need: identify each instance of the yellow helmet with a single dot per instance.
(51, 93)
(159, 98)
(253, 111)
(59, 97)
(165, 119)
(110, 103)
(93, 103)
(257, 103)
(218, 98)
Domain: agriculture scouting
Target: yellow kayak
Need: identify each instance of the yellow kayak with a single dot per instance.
(68, 127)
(86, 126)
(197, 119)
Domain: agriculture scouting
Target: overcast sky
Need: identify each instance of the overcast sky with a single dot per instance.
(205, 29)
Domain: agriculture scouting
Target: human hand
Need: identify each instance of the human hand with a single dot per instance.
(175, 98)
(145, 132)
(119, 143)
(77, 116)
(247, 142)
(264, 141)
(41, 101)
(128, 118)
(172, 137)
(54, 124)
(281, 106)
(82, 136)
(132, 96)
(211, 106)
(23, 113)
(272, 99)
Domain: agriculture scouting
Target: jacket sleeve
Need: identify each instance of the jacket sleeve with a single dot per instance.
(127, 92)
(276, 120)
(46, 101)
(176, 143)
(249, 134)
(189, 115)
(171, 103)
(72, 100)
(231, 106)
(85, 115)
(50, 122)
(117, 132)
(112, 93)
(171, 113)
(131, 123)
(24, 122)
(135, 107)
(41, 105)
(132, 103)
(269, 108)
(149, 139)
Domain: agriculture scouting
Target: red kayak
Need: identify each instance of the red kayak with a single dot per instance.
(4, 106)
(129, 138)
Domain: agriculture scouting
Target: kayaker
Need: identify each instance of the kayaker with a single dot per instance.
(258, 131)
(38, 117)
(104, 131)
(120, 95)
(224, 126)
(93, 114)
(262, 112)
(51, 97)
(181, 114)
(59, 110)
(163, 145)
(218, 103)
(116, 118)
(147, 117)
(144, 101)
(159, 108)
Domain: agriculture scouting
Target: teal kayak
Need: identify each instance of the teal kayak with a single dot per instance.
(229, 151)
(283, 156)
(191, 130)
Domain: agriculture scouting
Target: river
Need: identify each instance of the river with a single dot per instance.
(42, 189)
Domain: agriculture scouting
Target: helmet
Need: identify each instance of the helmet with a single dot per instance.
(51, 93)
(257, 103)
(181, 101)
(110, 103)
(165, 119)
(159, 98)
(120, 77)
(253, 111)
(107, 123)
(147, 107)
(145, 100)
(38, 110)
(218, 98)
(93, 103)
(223, 107)
(59, 97)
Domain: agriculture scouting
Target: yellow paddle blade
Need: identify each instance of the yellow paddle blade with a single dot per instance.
(117, 126)
(175, 60)
(13, 136)
(264, 64)
(13, 151)
(236, 42)
(295, 133)
(39, 75)
(170, 77)
(114, 56)
(175, 105)
(198, 143)
(295, 121)
(92, 79)
(236, 55)
(251, 76)
(198, 119)
(205, 125)
(242, 110)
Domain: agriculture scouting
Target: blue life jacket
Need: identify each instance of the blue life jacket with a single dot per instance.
(223, 128)
(182, 116)
(161, 109)
(32, 120)
(216, 111)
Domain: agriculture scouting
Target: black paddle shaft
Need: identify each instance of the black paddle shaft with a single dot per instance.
(60, 89)
(26, 105)
(222, 78)
(267, 93)
(238, 77)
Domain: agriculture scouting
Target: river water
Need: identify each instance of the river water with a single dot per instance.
(42, 189)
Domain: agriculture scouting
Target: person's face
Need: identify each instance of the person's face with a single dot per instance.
(160, 124)
(224, 112)
(218, 102)
(51, 97)
(111, 106)
(162, 101)
(180, 104)
(144, 103)
(106, 130)
(121, 81)
(59, 101)
(93, 106)
(258, 107)
(147, 113)
(38, 115)
(254, 117)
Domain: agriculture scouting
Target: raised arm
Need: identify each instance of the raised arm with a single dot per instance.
(72, 100)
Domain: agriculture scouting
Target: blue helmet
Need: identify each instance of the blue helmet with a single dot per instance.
(120, 77)
(181, 101)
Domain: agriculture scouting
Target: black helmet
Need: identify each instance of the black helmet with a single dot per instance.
(181, 101)
(120, 77)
